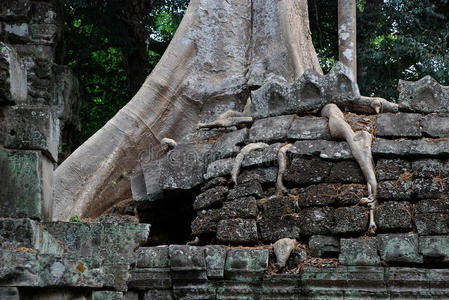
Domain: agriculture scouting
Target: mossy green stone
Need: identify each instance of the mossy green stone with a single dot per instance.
(21, 184)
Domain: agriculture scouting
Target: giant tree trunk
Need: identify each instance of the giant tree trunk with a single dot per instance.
(221, 50)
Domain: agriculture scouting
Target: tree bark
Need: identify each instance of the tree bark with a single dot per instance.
(221, 50)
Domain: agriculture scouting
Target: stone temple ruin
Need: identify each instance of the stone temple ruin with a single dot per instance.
(311, 192)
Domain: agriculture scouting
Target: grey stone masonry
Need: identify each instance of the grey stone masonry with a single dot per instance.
(423, 96)
(308, 94)
(270, 130)
(436, 125)
(398, 125)
(309, 128)
(359, 252)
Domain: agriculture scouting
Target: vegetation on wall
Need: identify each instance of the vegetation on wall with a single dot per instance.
(113, 45)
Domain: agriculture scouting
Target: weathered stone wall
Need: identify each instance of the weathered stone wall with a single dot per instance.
(38, 100)
(325, 185)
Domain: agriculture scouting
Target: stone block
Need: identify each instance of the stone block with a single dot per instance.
(430, 188)
(307, 171)
(27, 180)
(221, 167)
(319, 195)
(423, 96)
(218, 181)
(392, 169)
(44, 34)
(32, 129)
(399, 248)
(434, 248)
(138, 188)
(227, 145)
(432, 217)
(427, 168)
(206, 222)
(280, 287)
(246, 190)
(18, 32)
(275, 228)
(270, 130)
(395, 190)
(359, 252)
(436, 125)
(15, 10)
(186, 258)
(237, 231)
(346, 172)
(350, 220)
(324, 246)
(107, 295)
(152, 173)
(240, 208)
(398, 125)
(150, 278)
(43, 13)
(350, 194)
(394, 216)
(153, 257)
(26, 233)
(321, 148)
(308, 94)
(262, 157)
(278, 206)
(309, 128)
(115, 242)
(246, 265)
(212, 197)
(407, 283)
(410, 148)
(9, 293)
(72, 270)
(13, 76)
(215, 257)
(18, 268)
(158, 294)
(260, 175)
(315, 220)
(183, 167)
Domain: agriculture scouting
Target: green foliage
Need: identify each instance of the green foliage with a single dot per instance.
(96, 40)
(396, 39)
(75, 218)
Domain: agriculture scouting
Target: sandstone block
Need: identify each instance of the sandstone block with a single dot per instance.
(270, 130)
(13, 75)
(215, 257)
(308, 128)
(359, 252)
(32, 129)
(436, 125)
(27, 179)
(398, 125)
(434, 248)
(399, 248)
(424, 96)
(153, 257)
(275, 228)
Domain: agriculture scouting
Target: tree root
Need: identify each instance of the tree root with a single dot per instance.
(373, 105)
(282, 162)
(360, 145)
(231, 118)
(238, 160)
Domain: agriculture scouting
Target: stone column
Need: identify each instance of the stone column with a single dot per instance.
(347, 34)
